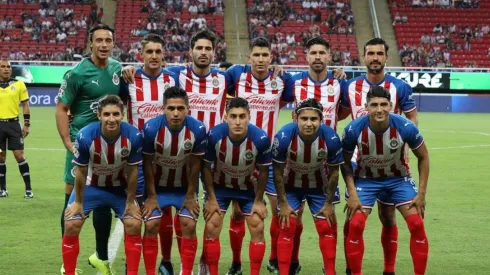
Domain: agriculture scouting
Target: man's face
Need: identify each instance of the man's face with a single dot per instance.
(318, 58)
(175, 109)
(375, 58)
(102, 44)
(202, 53)
(111, 117)
(237, 119)
(308, 123)
(153, 55)
(260, 58)
(5, 69)
(379, 108)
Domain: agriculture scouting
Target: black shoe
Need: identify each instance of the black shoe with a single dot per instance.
(235, 269)
(347, 271)
(388, 273)
(273, 267)
(166, 268)
(294, 268)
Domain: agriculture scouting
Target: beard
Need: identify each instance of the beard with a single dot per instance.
(378, 70)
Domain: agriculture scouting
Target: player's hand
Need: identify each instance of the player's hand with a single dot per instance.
(352, 206)
(277, 70)
(74, 209)
(339, 73)
(69, 147)
(259, 209)
(210, 208)
(148, 207)
(191, 204)
(132, 210)
(25, 131)
(328, 212)
(294, 116)
(285, 212)
(419, 203)
(128, 74)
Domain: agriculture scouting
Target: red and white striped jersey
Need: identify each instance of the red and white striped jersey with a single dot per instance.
(207, 94)
(106, 160)
(264, 96)
(173, 149)
(145, 99)
(327, 92)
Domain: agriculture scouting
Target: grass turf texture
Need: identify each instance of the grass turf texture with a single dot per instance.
(457, 219)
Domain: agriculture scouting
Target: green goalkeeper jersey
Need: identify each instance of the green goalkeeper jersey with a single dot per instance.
(83, 86)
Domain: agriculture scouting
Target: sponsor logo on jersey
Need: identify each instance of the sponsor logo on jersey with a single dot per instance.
(115, 79)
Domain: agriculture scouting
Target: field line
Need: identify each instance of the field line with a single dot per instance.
(459, 147)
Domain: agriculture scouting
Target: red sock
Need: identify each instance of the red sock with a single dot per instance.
(274, 231)
(346, 233)
(237, 232)
(150, 253)
(70, 249)
(188, 254)
(166, 233)
(355, 243)
(213, 250)
(203, 253)
(178, 231)
(132, 246)
(285, 243)
(328, 244)
(419, 244)
(297, 242)
(389, 240)
(256, 252)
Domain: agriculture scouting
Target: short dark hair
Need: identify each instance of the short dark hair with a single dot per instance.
(310, 104)
(204, 34)
(378, 91)
(110, 100)
(152, 37)
(261, 42)
(317, 40)
(96, 28)
(377, 41)
(175, 92)
(237, 102)
(225, 65)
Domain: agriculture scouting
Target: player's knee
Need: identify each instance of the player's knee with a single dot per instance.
(19, 155)
(415, 223)
(132, 226)
(213, 226)
(73, 227)
(256, 226)
(188, 226)
(152, 227)
(357, 223)
(323, 229)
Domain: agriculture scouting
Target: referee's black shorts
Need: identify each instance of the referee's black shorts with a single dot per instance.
(11, 134)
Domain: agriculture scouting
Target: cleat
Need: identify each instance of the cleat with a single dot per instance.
(181, 272)
(294, 268)
(29, 195)
(4, 193)
(235, 269)
(166, 268)
(347, 271)
(104, 267)
(77, 271)
(203, 268)
(273, 267)
(388, 273)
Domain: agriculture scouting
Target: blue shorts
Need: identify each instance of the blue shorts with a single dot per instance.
(95, 197)
(383, 197)
(171, 197)
(244, 198)
(314, 197)
(400, 190)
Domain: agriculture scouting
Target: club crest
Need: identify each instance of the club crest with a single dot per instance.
(330, 90)
(188, 144)
(322, 153)
(215, 81)
(124, 152)
(249, 155)
(394, 143)
(115, 79)
(274, 84)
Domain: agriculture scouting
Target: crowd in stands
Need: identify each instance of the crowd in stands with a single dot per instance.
(436, 3)
(268, 19)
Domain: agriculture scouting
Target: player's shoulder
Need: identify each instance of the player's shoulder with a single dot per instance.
(401, 122)
(399, 83)
(128, 129)
(256, 133)
(218, 132)
(289, 128)
(357, 124)
(170, 72)
(355, 79)
(90, 131)
(237, 68)
(194, 124)
(154, 123)
(114, 63)
(325, 130)
(299, 75)
(177, 69)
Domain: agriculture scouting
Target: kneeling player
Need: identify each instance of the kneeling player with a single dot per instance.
(104, 149)
(307, 155)
(382, 167)
(236, 148)
(174, 144)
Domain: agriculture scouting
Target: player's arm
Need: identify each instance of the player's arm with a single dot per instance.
(413, 117)
(211, 205)
(24, 99)
(190, 199)
(333, 181)
(422, 155)
(407, 103)
(80, 177)
(259, 206)
(417, 144)
(349, 143)
(134, 160)
(285, 210)
(344, 109)
(149, 176)
(132, 182)
(66, 95)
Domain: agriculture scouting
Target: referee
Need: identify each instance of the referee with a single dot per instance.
(12, 92)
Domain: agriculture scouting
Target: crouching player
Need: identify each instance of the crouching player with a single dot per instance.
(103, 150)
(307, 155)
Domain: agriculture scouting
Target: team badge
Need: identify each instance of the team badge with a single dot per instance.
(21, 140)
(276, 142)
(249, 155)
(63, 84)
(394, 143)
(115, 79)
(274, 84)
(73, 171)
(330, 90)
(124, 152)
(187, 144)
(275, 152)
(215, 81)
(322, 154)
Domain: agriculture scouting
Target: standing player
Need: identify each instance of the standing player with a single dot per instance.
(235, 149)
(105, 152)
(174, 143)
(382, 167)
(13, 92)
(82, 87)
(307, 155)
(353, 102)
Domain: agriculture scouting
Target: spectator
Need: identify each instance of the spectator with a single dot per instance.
(145, 8)
(437, 28)
(425, 39)
(397, 19)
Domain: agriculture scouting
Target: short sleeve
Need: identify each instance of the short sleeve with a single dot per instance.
(232, 75)
(148, 139)
(200, 141)
(405, 98)
(411, 135)
(82, 145)
(349, 139)
(280, 147)
(135, 156)
(124, 91)
(288, 93)
(344, 94)
(23, 94)
(264, 154)
(69, 88)
(210, 155)
(334, 149)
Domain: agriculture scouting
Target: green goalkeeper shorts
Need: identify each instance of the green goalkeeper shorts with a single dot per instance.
(70, 168)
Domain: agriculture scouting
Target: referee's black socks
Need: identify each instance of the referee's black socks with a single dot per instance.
(26, 175)
(3, 175)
